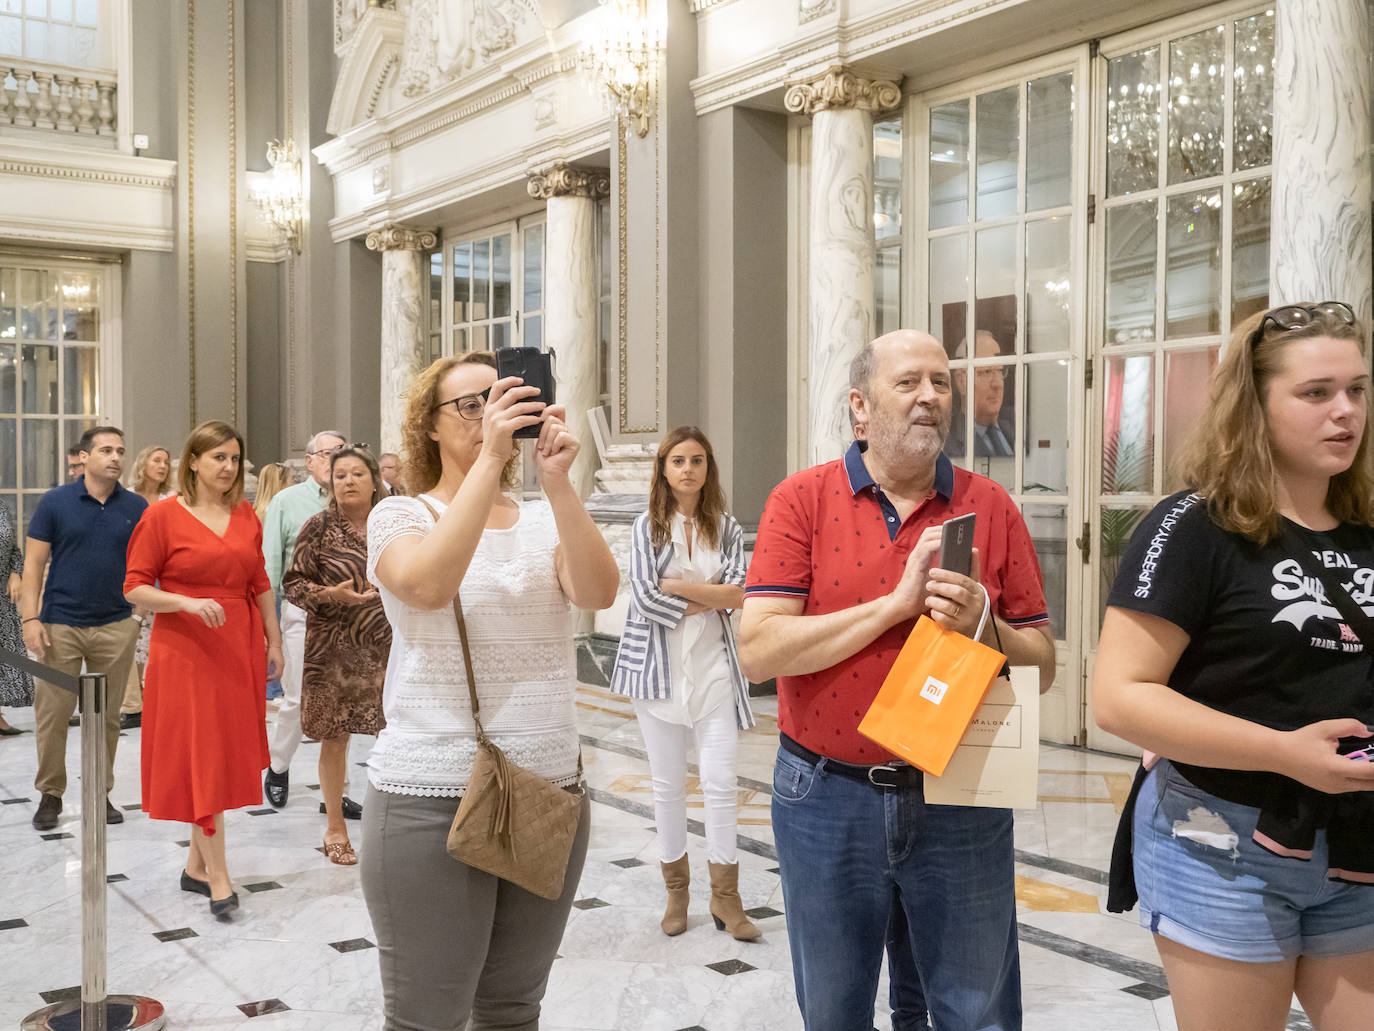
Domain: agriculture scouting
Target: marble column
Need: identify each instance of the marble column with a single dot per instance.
(570, 281)
(405, 346)
(1320, 242)
(841, 248)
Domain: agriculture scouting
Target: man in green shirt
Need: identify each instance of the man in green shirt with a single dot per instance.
(286, 514)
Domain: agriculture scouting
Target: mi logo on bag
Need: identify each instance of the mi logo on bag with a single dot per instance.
(934, 690)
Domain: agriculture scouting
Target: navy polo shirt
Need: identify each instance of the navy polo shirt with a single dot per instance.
(90, 543)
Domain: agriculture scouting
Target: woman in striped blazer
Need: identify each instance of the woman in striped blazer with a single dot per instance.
(677, 661)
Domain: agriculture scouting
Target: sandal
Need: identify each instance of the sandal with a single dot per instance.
(340, 853)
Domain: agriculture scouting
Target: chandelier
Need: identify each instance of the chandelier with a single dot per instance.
(281, 198)
(622, 61)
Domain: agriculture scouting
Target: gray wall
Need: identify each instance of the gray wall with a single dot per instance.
(156, 365)
(262, 63)
(154, 77)
(264, 427)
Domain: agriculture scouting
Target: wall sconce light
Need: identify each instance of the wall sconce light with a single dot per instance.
(622, 61)
(281, 198)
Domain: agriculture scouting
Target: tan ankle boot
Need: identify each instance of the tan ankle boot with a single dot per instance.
(726, 908)
(676, 877)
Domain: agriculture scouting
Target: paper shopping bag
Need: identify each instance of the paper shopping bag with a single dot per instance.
(930, 695)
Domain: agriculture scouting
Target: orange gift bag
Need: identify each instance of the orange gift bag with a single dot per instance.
(930, 695)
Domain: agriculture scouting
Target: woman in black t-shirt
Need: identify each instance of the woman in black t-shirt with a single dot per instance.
(1221, 651)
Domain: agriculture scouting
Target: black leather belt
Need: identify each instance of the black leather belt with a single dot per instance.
(884, 775)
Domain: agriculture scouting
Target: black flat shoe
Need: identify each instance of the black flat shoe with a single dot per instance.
(10, 731)
(195, 884)
(219, 907)
(351, 810)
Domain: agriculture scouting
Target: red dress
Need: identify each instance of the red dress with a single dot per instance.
(204, 700)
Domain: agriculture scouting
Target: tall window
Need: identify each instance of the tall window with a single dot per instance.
(491, 293)
(52, 327)
(61, 32)
(887, 224)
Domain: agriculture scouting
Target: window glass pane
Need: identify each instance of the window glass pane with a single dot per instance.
(81, 380)
(1047, 284)
(1187, 376)
(40, 378)
(887, 179)
(36, 8)
(460, 341)
(436, 291)
(36, 40)
(12, 37)
(607, 246)
(481, 279)
(9, 305)
(1249, 249)
(604, 380)
(1132, 243)
(9, 395)
(38, 297)
(1197, 77)
(72, 434)
(949, 165)
(479, 338)
(1133, 122)
(999, 149)
(462, 287)
(1253, 92)
(87, 12)
(436, 346)
(11, 6)
(993, 412)
(887, 289)
(500, 335)
(1117, 525)
(949, 289)
(1045, 468)
(1128, 425)
(61, 10)
(1048, 526)
(500, 275)
(995, 305)
(1049, 141)
(42, 455)
(1192, 291)
(9, 454)
(533, 285)
(80, 307)
(533, 330)
(59, 44)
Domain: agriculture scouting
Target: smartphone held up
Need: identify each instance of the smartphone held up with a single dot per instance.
(533, 366)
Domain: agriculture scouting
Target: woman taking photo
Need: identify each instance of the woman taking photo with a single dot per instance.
(216, 635)
(1234, 646)
(453, 941)
(677, 661)
(346, 633)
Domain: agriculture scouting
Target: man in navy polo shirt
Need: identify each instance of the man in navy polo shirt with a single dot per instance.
(84, 527)
(843, 566)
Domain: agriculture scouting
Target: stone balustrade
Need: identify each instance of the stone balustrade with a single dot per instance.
(39, 96)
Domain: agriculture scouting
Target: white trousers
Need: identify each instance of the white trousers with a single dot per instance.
(717, 740)
(286, 737)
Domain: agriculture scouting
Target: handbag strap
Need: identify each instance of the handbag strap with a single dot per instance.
(1355, 617)
(467, 652)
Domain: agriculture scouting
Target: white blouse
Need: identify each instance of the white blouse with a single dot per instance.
(520, 630)
(696, 646)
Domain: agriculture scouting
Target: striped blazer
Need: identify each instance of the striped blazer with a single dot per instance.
(641, 664)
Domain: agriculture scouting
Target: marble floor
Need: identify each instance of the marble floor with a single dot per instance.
(299, 953)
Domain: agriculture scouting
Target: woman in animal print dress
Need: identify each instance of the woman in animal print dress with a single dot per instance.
(347, 637)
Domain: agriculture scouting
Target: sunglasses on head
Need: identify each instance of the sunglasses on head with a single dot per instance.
(1295, 316)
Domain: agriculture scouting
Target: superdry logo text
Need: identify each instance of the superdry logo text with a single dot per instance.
(1306, 598)
(1146, 578)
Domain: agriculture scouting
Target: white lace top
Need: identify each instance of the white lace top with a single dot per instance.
(520, 630)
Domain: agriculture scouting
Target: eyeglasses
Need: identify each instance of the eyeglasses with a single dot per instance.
(469, 406)
(991, 373)
(1295, 316)
(339, 447)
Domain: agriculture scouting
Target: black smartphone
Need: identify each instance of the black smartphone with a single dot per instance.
(533, 366)
(956, 545)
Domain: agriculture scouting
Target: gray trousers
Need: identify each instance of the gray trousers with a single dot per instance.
(455, 943)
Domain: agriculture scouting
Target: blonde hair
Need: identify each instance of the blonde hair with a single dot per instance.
(421, 464)
(270, 481)
(663, 503)
(208, 435)
(1228, 458)
(138, 475)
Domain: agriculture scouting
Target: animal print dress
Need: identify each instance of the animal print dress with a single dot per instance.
(346, 645)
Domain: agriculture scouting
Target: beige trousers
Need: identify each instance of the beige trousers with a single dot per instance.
(107, 649)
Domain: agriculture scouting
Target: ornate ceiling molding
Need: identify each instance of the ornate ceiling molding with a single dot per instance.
(841, 88)
(396, 237)
(562, 180)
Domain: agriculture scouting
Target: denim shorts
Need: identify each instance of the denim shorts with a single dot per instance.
(1204, 883)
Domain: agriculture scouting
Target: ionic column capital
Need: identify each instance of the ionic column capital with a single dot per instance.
(562, 180)
(396, 237)
(841, 88)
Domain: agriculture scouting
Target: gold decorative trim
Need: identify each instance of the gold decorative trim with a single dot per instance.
(191, 196)
(396, 237)
(562, 180)
(106, 178)
(842, 89)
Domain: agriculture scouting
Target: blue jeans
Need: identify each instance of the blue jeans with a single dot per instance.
(844, 849)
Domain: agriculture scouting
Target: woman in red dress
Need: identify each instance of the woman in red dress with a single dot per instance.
(204, 732)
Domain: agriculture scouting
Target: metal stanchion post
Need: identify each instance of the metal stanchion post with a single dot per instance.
(95, 1011)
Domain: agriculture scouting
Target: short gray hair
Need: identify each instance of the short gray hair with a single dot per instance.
(862, 367)
(313, 442)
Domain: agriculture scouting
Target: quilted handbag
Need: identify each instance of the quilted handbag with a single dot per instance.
(512, 822)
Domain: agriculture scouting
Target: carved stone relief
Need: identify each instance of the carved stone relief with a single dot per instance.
(445, 39)
(810, 9)
(841, 88)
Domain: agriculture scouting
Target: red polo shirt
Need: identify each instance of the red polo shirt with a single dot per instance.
(831, 536)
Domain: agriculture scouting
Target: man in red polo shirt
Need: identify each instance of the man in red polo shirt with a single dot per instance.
(842, 568)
